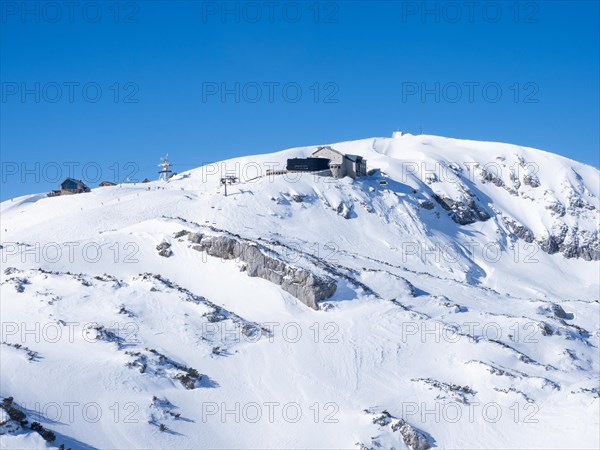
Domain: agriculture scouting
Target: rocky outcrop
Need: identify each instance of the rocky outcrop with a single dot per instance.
(306, 286)
(558, 311)
(463, 212)
(489, 177)
(454, 391)
(518, 229)
(427, 204)
(413, 438)
(298, 198)
(532, 180)
(571, 242)
(155, 363)
(164, 249)
(557, 208)
(344, 210)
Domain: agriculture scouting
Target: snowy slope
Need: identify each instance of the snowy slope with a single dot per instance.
(466, 313)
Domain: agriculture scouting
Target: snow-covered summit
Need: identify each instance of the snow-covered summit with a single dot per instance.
(456, 274)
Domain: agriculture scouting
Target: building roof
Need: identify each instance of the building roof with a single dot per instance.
(327, 148)
(354, 158)
(74, 180)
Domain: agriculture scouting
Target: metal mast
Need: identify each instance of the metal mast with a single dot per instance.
(228, 179)
(166, 172)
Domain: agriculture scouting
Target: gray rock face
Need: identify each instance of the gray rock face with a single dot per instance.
(558, 311)
(463, 212)
(164, 249)
(571, 242)
(413, 438)
(344, 210)
(557, 208)
(180, 234)
(427, 204)
(195, 238)
(531, 180)
(515, 180)
(306, 286)
(548, 244)
(546, 329)
(488, 177)
(589, 246)
(519, 229)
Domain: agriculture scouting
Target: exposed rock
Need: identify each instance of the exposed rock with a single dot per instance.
(413, 438)
(20, 283)
(589, 248)
(180, 234)
(463, 212)
(344, 210)
(548, 244)
(577, 203)
(575, 243)
(195, 238)
(164, 249)
(427, 204)
(545, 329)
(383, 419)
(457, 392)
(532, 180)
(514, 390)
(515, 180)
(155, 363)
(298, 198)
(457, 169)
(557, 208)
(102, 333)
(31, 355)
(431, 178)
(595, 391)
(558, 311)
(15, 421)
(559, 232)
(249, 329)
(488, 177)
(518, 229)
(306, 286)
(11, 270)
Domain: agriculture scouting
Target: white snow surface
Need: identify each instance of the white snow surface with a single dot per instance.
(422, 303)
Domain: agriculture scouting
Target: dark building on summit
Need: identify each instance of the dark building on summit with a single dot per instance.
(307, 164)
(338, 164)
(70, 186)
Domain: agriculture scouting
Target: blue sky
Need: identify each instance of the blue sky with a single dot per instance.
(111, 87)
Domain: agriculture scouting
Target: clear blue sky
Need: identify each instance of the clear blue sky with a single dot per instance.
(361, 68)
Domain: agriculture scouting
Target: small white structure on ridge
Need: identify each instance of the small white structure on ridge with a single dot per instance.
(397, 134)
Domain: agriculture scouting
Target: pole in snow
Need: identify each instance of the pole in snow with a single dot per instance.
(228, 179)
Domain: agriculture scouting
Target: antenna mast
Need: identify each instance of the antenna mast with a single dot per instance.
(166, 172)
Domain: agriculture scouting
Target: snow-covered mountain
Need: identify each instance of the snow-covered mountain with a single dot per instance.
(449, 299)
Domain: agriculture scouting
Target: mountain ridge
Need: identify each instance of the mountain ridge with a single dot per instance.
(374, 306)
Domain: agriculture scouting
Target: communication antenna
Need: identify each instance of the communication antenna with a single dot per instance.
(166, 172)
